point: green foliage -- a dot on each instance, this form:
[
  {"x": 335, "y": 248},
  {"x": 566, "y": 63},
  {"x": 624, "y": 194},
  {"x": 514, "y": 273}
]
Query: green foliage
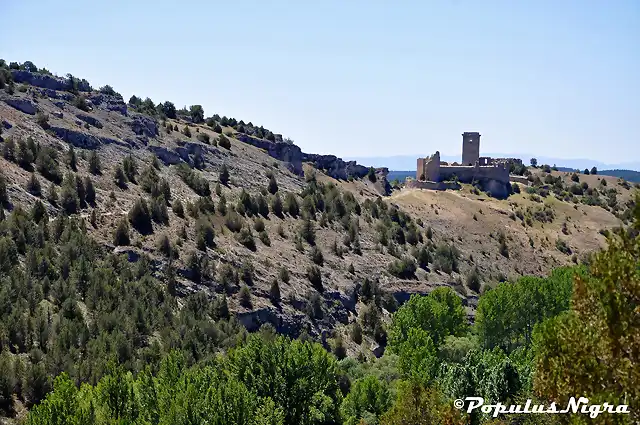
[
  {"x": 315, "y": 277},
  {"x": 439, "y": 314},
  {"x": 245, "y": 296},
  {"x": 446, "y": 258},
  {"x": 197, "y": 114},
  {"x": 371, "y": 175},
  {"x": 205, "y": 234},
  {"x": 130, "y": 168},
  {"x": 473, "y": 280},
  {"x": 140, "y": 217},
  {"x": 224, "y": 175},
  {"x": 274, "y": 292},
  {"x": 194, "y": 180},
  {"x": 418, "y": 405},
  {"x": 94, "y": 163},
  {"x": 119, "y": 177},
  {"x": 403, "y": 269},
  {"x": 47, "y": 164},
  {"x": 316, "y": 256},
  {"x": 224, "y": 142},
  {"x": 69, "y": 200},
  {"x": 245, "y": 237},
  {"x": 4, "y": 195},
  {"x": 272, "y": 187},
  {"x": 276, "y": 205},
  {"x": 121, "y": 235},
  {"x": 368, "y": 397},
  {"x": 307, "y": 232},
  {"x": 291, "y": 205},
  {"x": 507, "y": 314},
  {"x": 593, "y": 348}
]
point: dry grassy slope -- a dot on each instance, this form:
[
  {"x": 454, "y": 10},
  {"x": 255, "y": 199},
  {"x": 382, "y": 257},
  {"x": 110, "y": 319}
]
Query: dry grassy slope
[{"x": 449, "y": 214}]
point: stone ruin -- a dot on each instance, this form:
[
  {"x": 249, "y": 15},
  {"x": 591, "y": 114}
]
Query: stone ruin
[{"x": 492, "y": 174}]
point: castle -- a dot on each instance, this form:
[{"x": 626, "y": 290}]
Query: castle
[{"x": 491, "y": 173}]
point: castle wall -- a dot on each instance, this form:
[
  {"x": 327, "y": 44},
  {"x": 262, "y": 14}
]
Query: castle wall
[
  {"x": 420, "y": 174},
  {"x": 428, "y": 168},
  {"x": 468, "y": 174}
]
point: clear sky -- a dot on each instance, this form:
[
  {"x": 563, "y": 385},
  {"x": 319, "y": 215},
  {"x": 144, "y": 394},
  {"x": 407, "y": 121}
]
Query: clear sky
[{"x": 364, "y": 78}]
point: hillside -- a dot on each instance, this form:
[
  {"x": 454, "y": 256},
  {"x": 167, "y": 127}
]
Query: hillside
[
  {"x": 126, "y": 226},
  {"x": 101, "y": 123}
]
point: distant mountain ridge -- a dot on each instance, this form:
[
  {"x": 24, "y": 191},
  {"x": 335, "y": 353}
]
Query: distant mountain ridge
[
  {"x": 408, "y": 162},
  {"x": 628, "y": 175}
]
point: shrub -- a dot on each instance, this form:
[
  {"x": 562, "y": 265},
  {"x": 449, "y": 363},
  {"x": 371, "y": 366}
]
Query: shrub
[
  {"x": 80, "y": 102},
  {"x": 316, "y": 256},
  {"x": 140, "y": 217},
  {"x": 47, "y": 165},
  {"x": 42, "y": 120},
  {"x": 245, "y": 237},
  {"x": 563, "y": 247},
  {"x": 233, "y": 221},
  {"x": 224, "y": 175},
  {"x": 4, "y": 196},
  {"x": 504, "y": 249},
  {"x": 473, "y": 280},
  {"x": 404, "y": 268},
  {"x": 274, "y": 292},
  {"x": 186, "y": 131},
  {"x": 276, "y": 205},
  {"x": 203, "y": 137},
  {"x": 52, "y": 194},
  {"x": 307, "y": 232},
  {"x": 121, "y": 235},
  {"x": 272, "y": 187},
  {"x": 283, "y": 274},
  {"x": 258, "y": 225},
  {"x": 264, "y": 238},
  {"x": 356, "y": 333},
  {"x": 94, "y": 163},
  {"x": 119, "y": 178},
  {"x": 291, "y": 205},
  {"x": 178, "y": 208},
  {"x": 224, "y": 142},
  {"x": 245, "y": 297},
  {"x": 315, "y": 277},
  {"x": 247, "y": 272},
  {"x": 158, "y": 209},
  {"x": 446, "y": 258},
  {"x": 90, "y": 191},
  {"x": 192, "y": 179},
  {"x": 164, "y": 245},
  {"x": 130, "y": 168},
  {"x": 371, "y": 175},
  {"x": 69, "y": 200},
  {"x": 33, "y": 186},
  {"x": 423, "y": 257}
]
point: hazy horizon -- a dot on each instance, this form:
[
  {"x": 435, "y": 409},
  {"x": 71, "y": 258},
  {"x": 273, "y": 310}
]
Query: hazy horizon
[{"x": 364, "y": 78}]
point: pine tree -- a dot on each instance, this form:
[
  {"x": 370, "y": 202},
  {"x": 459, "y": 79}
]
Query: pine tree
[
  {"x": 71, "y": 159},
  {"x": 273, "y": 185},
  {"x": 94, "y": 163},
  {"x": 224, "y": 175},
  {"x": 52, "y": 194},
  {"x": 274, "y": 292}
]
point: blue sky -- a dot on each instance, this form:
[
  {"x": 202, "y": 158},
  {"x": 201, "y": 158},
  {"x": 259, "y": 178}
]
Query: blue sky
[{"x": 364, "y": 78}]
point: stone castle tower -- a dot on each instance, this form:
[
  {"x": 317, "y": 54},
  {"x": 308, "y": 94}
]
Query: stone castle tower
[{"x": 470, "y": 147}]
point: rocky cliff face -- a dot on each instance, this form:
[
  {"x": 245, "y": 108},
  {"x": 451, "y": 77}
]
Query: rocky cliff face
[
  {"x": 46, "y": 81},
  {"x": 292, "y": 154}
]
